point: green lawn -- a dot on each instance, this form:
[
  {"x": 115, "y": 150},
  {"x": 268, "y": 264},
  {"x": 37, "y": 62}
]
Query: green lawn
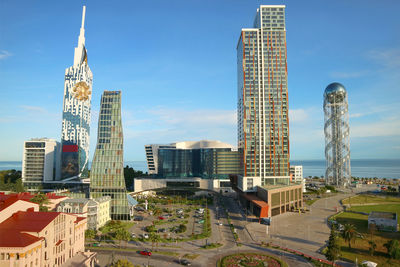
[
  {"x": 385, "y": 207},
  {"x": 360, "y": 246},
  {"x": 363, "y": 199},
  {"x": 360, "y": 221}
]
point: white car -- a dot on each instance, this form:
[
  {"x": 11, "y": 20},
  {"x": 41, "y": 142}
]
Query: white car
[
  {"x": 146, "y": 236},
  {"x": 133, "y": 235},
  {"x": 220, "y": 223}
]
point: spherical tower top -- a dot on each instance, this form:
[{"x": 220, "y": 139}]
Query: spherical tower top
[{"x": 335, "y": 93}]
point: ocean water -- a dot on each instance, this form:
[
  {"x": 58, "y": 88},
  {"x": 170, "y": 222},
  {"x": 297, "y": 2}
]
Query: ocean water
[{"x": 380, "y": 168}]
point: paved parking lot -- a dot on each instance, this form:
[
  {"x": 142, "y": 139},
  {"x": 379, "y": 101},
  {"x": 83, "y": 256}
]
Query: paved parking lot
[{"x": 170, "y": 221}]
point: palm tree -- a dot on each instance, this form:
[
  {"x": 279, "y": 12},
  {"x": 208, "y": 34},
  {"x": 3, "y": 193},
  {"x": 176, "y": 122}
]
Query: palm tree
[
  {"x": 154, "y": 238},
  {"x": 393, "y": 248},
  {"x": 372, "y": 247},
  {"x": 349, "y": 233},
  {"x": 122, "y": 234}
]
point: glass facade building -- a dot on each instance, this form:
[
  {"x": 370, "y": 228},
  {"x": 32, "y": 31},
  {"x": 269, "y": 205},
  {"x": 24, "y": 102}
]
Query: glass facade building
[
  {"x": 206, "y": 163},
  {"x": 107, "y": 173},
  {"x": 263, "y": 119},
  {"x": 76, "y": 113}
]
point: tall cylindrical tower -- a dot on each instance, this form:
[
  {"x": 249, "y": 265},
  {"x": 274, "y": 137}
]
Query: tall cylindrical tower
[{"x": 337, "y": 141}]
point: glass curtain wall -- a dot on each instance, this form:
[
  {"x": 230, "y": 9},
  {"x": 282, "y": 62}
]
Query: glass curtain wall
[{"x": 107, "y": 173}]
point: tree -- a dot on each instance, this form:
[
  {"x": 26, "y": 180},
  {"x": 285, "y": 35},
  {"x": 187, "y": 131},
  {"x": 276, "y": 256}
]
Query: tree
[
  {"x": 349, "y": 233},
  {"x": 42, "y": 200},
  {"x": 154, "y": 238},
  {"x": 130, "y": 174},
  {"x": 122, "y": 263},
  {"x": 372, "y": 247},
  {"x": 393, "y": 248},
  {"x": 333, "y": 248},
  {"x": 19, "y": 186},
  {"x": 90, "y": 233},
  {"x": 122, "y": 234}
]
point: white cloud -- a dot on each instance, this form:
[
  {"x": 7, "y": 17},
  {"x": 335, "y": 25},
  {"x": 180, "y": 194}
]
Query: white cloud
[
  {"x": 389, "y": 58},
  {"x": 347, "y": 74},
  {"x": 33, "y": 109},
  {"x": 298, "y": 115},
  {"x": 195, "y": 117},
  {"x": 4, "y": 54},
  {"x": 357, "y": 115},
  {"x": 384, "y": 127},
  {"x": 164, "y": 125}
]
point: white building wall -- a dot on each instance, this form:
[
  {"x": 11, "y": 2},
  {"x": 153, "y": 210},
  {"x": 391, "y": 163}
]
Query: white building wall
[{"x": 49, "y": 154}]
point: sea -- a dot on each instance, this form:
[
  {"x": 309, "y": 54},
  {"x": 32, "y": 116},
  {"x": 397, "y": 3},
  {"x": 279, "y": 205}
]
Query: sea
[{"x": 380, "y": 168}]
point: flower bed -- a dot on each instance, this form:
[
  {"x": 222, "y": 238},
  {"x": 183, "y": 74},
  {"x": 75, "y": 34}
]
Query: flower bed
[{"x": 251, "y": 259}]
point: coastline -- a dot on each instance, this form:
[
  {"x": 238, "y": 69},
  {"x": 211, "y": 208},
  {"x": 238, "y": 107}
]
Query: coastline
[{"x": 369, "y": 168}]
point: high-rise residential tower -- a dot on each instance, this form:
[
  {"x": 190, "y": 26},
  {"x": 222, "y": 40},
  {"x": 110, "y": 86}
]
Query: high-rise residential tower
[
  {"x": 337, "y": 136},
  {"x": 107, "y": 172},
  {"x": 76, "y": 113},
  {"x": 263, "y": 120}
]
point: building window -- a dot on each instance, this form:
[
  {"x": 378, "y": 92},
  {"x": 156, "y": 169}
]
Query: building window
[{"x": 249, "y": 183}]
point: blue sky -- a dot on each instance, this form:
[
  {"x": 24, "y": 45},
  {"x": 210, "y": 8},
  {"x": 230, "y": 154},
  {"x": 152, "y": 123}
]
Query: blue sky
[{"x": 175, "y": 62}]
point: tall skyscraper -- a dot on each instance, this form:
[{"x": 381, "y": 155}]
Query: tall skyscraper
[
  {"x": 76, "y": 112},
  {"x": 263, "y": 119},
  {"x": 107, "y": 172},
  {"x": 337, "y": 136}
]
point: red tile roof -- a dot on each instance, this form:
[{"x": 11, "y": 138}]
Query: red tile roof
[
  {"x": 29, "y": 221},
  {"x": 27, "y": 196},
  {"x": 78, "y": 219},
  {"x": 8, "y": 202},
  {"x": 13, "y": 238}
]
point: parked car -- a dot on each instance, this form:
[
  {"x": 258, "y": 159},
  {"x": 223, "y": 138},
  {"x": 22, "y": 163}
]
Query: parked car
[
  {"x": 145, "y": 252},
  {"x": 161, "y": 218},
  {"x": 133, "y": 235},
  {"x": 201, "y": 221},
  {"x": 96, "y": 245},
  {"x": 162, "y": 230},
  {"x": 184, "y": 262},
  {"x": 138, "y": 218},
  {"x": 220, "y": 223},
  {"x": 146, "y": 236}
]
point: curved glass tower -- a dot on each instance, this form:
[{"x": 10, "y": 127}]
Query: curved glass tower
[
  {"x": 76, "y": 113},
  {"x": 107, "y": 172},
  {"x": 337, "y": 141}
]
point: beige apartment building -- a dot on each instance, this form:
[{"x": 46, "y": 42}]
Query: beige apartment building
[
  {"x": 31, "y": 238},
  {"x": 97, "y": 211}
]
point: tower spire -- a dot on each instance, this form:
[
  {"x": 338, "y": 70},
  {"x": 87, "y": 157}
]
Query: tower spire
[
  {"x": 83, "y": 17},
  {"x": 80, "y": 49}
]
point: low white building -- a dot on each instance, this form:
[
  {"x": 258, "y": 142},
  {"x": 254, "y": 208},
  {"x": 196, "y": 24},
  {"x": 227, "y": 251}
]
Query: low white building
[
  {"x": 218, "y": 185},
  {"x": 40, "y": 162},
  {"x": 383, "y": 221},
  {"x": 296, "y": 172}
]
